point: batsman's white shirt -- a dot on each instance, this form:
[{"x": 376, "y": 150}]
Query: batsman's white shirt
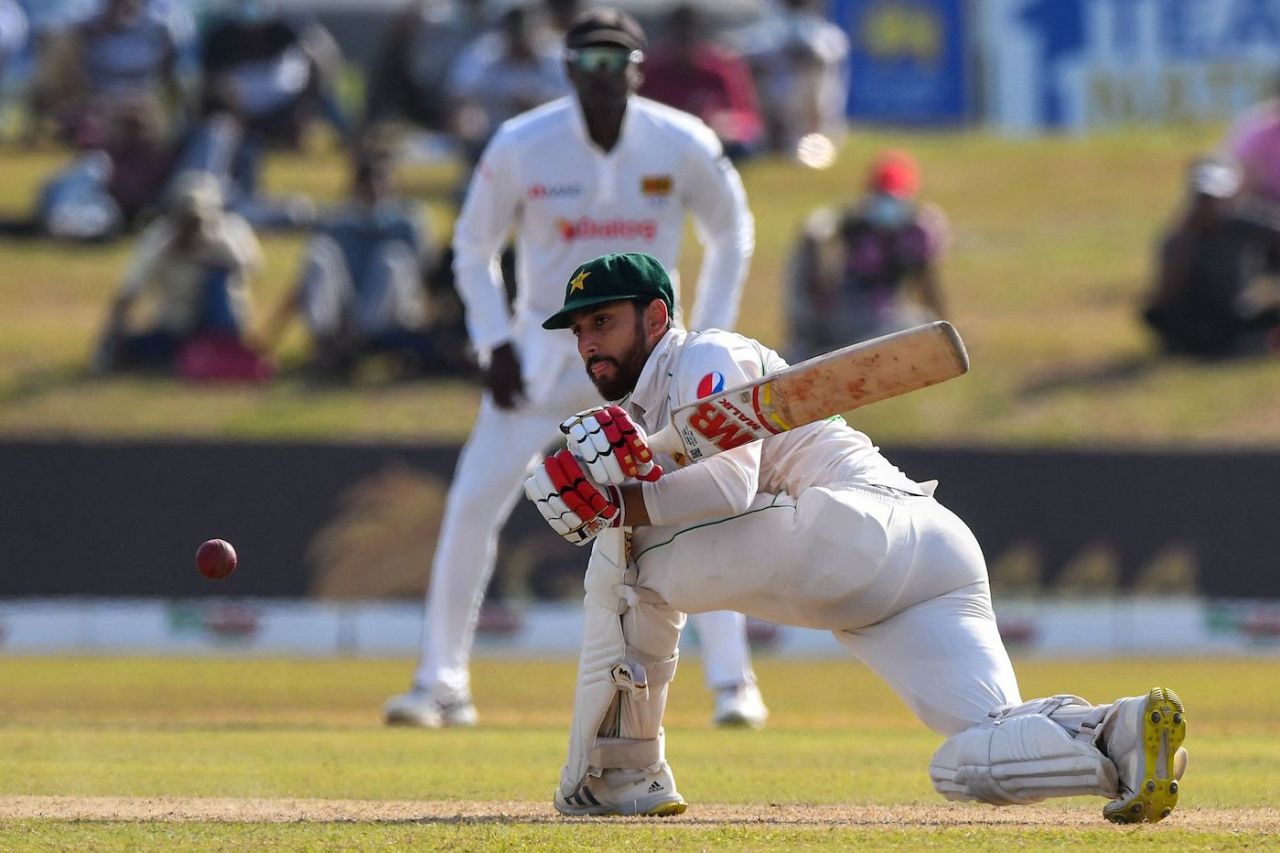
[
  {"x": 814, "y": 527},
  {"x": 570, "y": 202}
]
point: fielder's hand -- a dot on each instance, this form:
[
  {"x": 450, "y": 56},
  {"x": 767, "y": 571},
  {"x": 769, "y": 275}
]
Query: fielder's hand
[
  {"x": 610, "y": 446},
  {"x": 503, "y": 377},
  {"x": 576, "y": 507}
]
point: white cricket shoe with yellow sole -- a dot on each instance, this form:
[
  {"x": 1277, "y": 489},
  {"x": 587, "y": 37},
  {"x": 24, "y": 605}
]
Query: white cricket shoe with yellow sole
[
  {"x": 1144, "y": 740},
  {"x": 625, "y": 792}
]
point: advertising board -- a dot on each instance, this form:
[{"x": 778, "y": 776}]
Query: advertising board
[{"x": 1079, "y": 65}]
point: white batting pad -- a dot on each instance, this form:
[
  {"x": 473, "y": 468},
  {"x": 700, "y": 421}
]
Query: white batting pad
[
  {"x": 603, "y": 646},
  {"x": 1018, "y": 760},
  {"x": 628, "y": 659}
]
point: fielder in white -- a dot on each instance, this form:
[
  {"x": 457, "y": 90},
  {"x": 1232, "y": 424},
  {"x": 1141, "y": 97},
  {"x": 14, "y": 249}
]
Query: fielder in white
[
  {"x": 601, "y": 170},
  {"x": 811, "y": 527}
]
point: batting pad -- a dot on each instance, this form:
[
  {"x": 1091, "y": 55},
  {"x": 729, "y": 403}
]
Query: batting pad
[
  {"x": 628, "y": 658},
  {"x": 1018, "y": 760},
  {"x": 603, "y": 646},
  {"x": 633, "y": 739}
]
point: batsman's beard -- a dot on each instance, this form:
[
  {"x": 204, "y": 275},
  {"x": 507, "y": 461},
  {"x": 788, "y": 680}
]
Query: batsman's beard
[{"x": 626, "y": 370}]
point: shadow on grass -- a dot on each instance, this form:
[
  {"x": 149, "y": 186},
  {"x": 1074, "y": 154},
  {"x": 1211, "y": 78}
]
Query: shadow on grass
[
  {"x": 1126, "y": 369},
  {"x": 1107, "y": 374},
  {"x": 34, "y": 384}
]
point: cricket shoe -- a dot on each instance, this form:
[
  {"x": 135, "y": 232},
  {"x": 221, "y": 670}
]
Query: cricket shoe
[
  {"x": 1144, "y": 739},
  {"x": 625, "y": 792},
  {"x": 740, "y": 706},
  {"x": 420, "y": 707}
]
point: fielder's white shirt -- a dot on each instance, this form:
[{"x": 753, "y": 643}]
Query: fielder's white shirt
[
  {"x": 685, "y": 367},
  {"x": 569, "y": 202}
]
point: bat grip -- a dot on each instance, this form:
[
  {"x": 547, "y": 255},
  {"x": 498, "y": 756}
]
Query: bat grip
[{"x": 665, "y": 440}]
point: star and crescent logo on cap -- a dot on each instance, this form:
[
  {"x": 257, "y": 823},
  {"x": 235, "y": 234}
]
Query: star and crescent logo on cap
[{"x": 579, "y": 281}]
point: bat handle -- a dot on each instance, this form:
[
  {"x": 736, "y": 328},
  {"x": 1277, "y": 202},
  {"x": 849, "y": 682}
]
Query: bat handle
[{"x": 665, "y": 440}]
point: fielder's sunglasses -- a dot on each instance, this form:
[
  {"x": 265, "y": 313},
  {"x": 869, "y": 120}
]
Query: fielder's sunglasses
[{"x": 612, "y": 59}]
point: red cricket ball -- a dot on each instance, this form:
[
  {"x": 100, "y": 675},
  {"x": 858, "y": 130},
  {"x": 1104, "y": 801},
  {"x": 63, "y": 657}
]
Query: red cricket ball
[{"x": 216, "y": 559}]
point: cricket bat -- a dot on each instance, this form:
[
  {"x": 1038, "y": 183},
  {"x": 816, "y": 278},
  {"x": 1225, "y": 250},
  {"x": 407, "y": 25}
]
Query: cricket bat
[{"x": 826, "y": 385}]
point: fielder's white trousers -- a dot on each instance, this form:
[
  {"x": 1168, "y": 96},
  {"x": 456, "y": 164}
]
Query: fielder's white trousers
[
  {"x": 898, "y": 579},
  {"x": 503, "y": 447}
]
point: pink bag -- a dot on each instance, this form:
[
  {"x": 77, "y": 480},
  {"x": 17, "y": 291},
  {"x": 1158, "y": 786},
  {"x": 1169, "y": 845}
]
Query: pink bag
[{"x": 219, "y": 357}]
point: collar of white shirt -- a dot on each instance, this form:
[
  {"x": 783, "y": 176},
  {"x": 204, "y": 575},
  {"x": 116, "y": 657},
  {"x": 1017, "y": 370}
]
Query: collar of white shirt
[
  {"x": 651, "y": 388},
  {"x": 578, "y": 122}
]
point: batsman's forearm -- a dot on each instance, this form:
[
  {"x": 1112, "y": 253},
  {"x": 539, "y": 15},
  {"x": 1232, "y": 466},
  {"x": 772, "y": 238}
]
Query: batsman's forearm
[
  {"x": 719, "y": 487},
  {"x": 635, "y": 513}
]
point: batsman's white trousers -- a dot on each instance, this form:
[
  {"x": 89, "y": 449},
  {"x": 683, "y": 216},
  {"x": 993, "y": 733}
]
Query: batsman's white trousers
[
  {"x": 502, "y": 449},
  {"x": 898, "y": 578}
]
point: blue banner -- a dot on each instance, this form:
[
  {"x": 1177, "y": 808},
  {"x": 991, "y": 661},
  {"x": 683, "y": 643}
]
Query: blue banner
[
  {"x": 1087, "y": 64},
  {"x": 907, "y": 60}
]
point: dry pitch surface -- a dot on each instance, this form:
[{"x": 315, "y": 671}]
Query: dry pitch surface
[{"x": 215, "y": 809}]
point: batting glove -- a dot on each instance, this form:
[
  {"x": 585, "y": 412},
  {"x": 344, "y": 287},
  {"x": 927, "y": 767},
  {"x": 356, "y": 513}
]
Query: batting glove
[
  {"x": 573, "y": 504},
  {"x": 610, "y": 445}
]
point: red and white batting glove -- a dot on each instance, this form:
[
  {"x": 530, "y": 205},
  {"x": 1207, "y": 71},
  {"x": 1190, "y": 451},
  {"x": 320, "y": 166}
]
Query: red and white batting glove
[
  {"x": 573, "y": 504},
  {"x": 610, "y": 445}
]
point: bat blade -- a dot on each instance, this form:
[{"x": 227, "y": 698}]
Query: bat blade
[{"x": 839, "y": 381}]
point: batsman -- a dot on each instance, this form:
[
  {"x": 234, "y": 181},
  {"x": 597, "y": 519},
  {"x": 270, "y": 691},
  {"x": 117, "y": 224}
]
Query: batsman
[{"x": 812, "y": 527}]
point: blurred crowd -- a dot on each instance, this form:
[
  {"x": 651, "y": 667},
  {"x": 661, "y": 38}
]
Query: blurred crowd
[{"x": 169, "y": 108}]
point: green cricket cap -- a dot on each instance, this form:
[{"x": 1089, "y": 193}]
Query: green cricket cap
[{"x": 609, "y": 278}]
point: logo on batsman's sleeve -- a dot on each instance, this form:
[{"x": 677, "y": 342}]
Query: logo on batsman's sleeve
[{"x": 712, "y": 383}]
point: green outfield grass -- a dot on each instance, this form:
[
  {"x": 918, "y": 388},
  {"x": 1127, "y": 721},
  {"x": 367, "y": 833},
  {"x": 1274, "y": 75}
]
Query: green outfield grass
[
  {"x": 1051, "y": 253},
  {"x": 241, "y": 754}
]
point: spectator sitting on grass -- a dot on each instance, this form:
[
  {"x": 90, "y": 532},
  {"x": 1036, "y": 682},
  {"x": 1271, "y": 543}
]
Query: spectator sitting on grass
[
  {"x": 868, "y": 270},
  {"x": 75, "y": 202},
  {"x": 120, "y": 172},
  {"x": 195, "y": 262},
  {"x": 116, "y": 178},
  {"x": 1210, "y": 298},
  {"x": 126, "y": 54},
  {"x": 361, "y": 288}
]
